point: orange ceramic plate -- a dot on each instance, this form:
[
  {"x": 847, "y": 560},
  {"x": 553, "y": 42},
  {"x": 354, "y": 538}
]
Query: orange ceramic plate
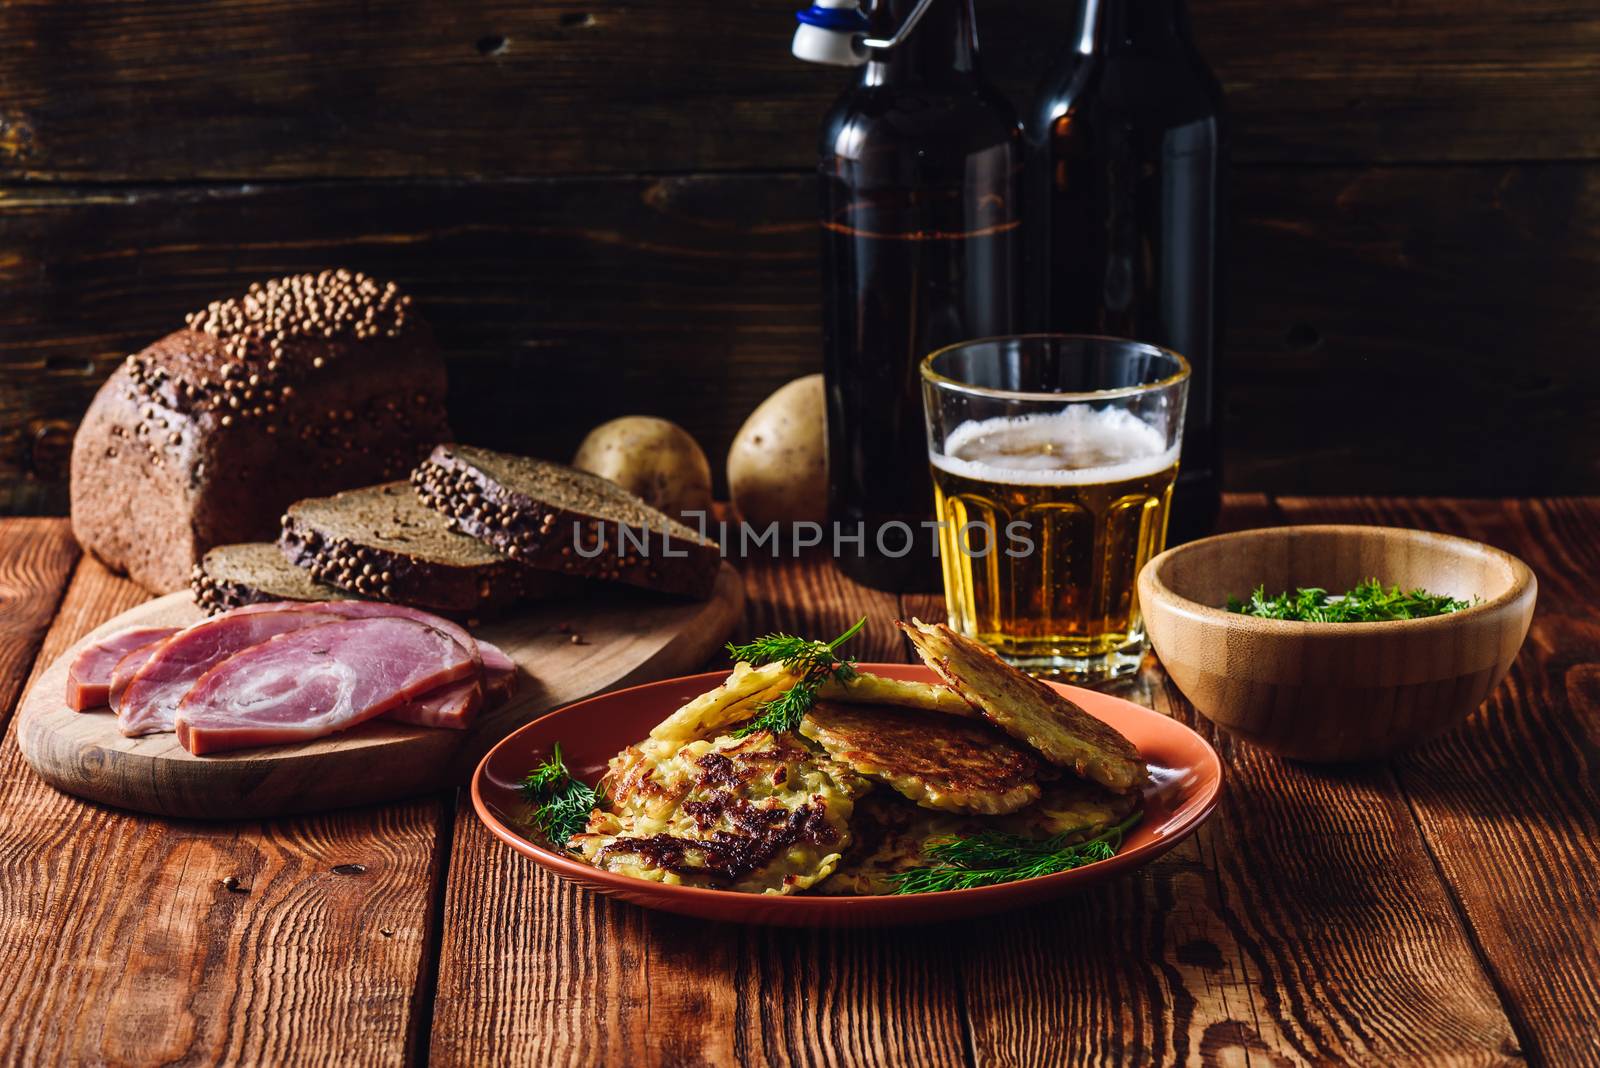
[{"x": 1186, "y": 780}]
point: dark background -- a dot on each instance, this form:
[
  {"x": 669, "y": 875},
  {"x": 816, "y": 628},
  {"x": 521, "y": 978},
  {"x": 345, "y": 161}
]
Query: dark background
[{"x": 607, "y": 208}]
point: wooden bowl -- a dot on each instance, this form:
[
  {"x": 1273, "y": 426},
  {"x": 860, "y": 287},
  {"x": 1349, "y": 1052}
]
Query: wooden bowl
[{"x": 1335, "y": 691}]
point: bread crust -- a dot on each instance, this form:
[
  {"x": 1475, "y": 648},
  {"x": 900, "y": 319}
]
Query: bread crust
[
  {"x": 374, "y": 566},
  {"x": 232, "y": 576},
  {"x": 199, "y": 441},
  {"x": 543, "y": 536}
]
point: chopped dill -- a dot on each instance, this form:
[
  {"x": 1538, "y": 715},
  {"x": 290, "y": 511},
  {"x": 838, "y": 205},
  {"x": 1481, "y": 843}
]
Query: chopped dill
[
  {"x": 993, "y": 857},
  {"x": 562, "y": 804},
  {"x": 815, "y": 662},
  {"x": 1368, "y": 602}
]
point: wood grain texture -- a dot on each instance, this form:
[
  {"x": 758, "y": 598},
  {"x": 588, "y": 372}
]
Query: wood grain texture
[
  {"x": 557, "y": 305},
  {"x": 36, "y": 560},
  {"x": 623, "y": 637},
  {"x": 536, "y": 971},
  {"x": 1241, "y": 945},
  {"x": 1357, "y": 290},
  {"x": 246, "y": 89},
  {"x": 561, "y": 304},
  {"x": 1510, "y": 802},
  {"x": 1306, "y": 924},
  {"x": 123, "y": 943},
  {"x": 1331, "y": 693},
  {"x": 1303, "y": 925}
]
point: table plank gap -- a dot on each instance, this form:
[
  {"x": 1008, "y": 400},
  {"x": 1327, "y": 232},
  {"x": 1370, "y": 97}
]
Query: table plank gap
[
  {"x": 420, "y": 1035},
  {"x": 37, "y": 559},
  {"x": 534, "y": 969},
  {"x": 1303, "y": 924},
  {"x": 1442, "y": 909},
  {"x": 1509, "y": 803},
  {"x": 887, "y": 996},
  {"x": 931, "y": 607},
  {"x": 1527, "y": 1036},
  {"x": 126, "y": 945}
]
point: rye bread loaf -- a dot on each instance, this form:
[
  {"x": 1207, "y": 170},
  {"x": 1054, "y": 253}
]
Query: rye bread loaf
[
  {"x": 252, "y": 572},
  {"x": 300, "y": 387},
  {"x": 384, "y": 543},
  {"x": 548, "y": 517}
]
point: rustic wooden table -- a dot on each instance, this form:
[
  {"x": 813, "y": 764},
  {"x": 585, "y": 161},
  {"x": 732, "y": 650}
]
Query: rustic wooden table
[{"x": 1438, "y": 909}]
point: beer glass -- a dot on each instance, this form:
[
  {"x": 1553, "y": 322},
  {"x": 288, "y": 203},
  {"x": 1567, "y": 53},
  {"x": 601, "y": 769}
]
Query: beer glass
[{"x": 1053, "y": 460}]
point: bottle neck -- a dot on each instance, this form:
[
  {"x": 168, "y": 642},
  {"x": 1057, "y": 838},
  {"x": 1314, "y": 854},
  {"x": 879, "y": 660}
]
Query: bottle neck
[
  {"x": 942, "y": 45},
  {"x": 1112, "y": 25}
]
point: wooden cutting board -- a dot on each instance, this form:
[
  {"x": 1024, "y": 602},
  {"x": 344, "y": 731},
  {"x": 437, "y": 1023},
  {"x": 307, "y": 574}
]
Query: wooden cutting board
[{"x": 625, "y": 638}]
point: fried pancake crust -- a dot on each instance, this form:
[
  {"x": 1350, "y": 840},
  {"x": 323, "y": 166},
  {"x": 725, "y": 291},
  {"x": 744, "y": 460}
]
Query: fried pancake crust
[
  {"x": 715, "y": 710},
  {"x": 935, "y": 760},
  {"x": 1027, "y": 709},
  {"x": 1070, "y": 807},
  {"x": 868, "y": 689},
  {"x": 891, "y": 834},
  {"x": 759, "y": 814}
]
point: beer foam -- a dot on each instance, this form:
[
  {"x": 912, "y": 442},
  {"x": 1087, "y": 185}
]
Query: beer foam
[{"x": 1076, "y": 446}]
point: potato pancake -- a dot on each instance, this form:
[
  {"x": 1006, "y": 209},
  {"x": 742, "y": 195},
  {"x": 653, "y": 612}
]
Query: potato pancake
[
  {"x": 1026, "y": 708},
  {"x": 758, "y": 814},
  {"x": 891, "y": 834},
  {"x": 937, "y": 761},
  {"x": 1071, "y": 807},
  {"x": 868, "y": 689},
  {"x": 714, "y": 711}
]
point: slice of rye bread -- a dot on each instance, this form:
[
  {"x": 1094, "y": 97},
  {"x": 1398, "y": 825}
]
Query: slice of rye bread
[
  {"x": 251, "y": 572},
  {"x": 554, "y": 518},
  {"x": 384, "y": 543}
]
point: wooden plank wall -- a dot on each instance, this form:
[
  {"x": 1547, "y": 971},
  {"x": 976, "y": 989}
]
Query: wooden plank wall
[{"x": 606, "y": 208}]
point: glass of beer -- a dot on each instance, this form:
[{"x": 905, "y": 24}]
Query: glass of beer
[{"x": 1053, "y": 462}]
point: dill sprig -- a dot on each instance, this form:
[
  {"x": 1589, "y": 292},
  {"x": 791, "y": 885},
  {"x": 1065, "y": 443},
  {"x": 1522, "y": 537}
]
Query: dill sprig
[
  {"x": 994, "y": 857},
  {"x": 1368, "y": 602},
  {"x": 562, "y": 804},
  {"x": 815, "y": 662}
]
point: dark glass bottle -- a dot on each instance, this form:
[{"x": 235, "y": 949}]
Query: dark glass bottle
[
  {"x": 1128, "y": 153},
  {"x": 921, "y": 173}
]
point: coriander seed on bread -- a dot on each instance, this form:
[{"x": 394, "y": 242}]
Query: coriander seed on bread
[
  {"x": 384, "y": 543},
  {"x": 253, "y": 572},
  {"x": 298, "y": 387},
  {"x": 555, "y": 519}
]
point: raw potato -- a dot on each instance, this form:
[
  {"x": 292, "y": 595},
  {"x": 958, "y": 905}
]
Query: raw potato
[
  {"x": 778, "y": 465},
  {"x": 653, "y": 458}
]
